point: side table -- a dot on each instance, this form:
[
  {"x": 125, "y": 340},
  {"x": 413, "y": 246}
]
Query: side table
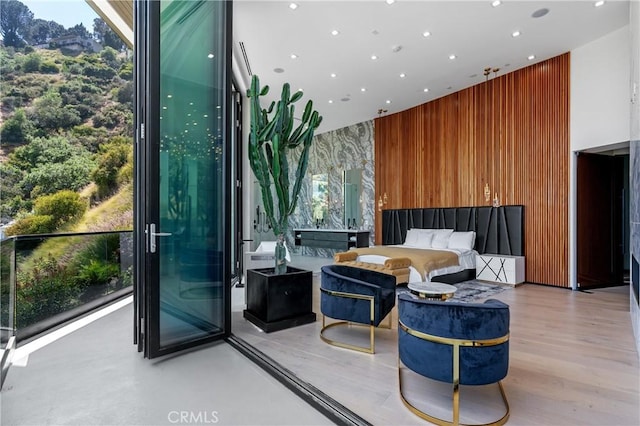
[
  {"x": 434, "y": 291},
  {"x": 500, "y": 268}
]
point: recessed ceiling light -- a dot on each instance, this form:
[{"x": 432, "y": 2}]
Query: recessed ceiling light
[
  {"x": 426, "y": 34},
  {"x": 496, "y": 3},
  {"x": 402, "y": 75},
  {"x": 169, "y": 96},
  {"x": 294, "y": 56},
  {"x": 333, "y": 75},
  {"x": 388, "y": 101},
  {"x": 515, "y": 34},
  {"x": 210, "y": 56},
  {"x": 598, "y": 3},
  {"x": 390, "y": 1},
  {"x": 330, "y": 101},
  {"x": 278, "y": 70},
  {"x": 293, "y": 6},
  {"x": 452, "y": 57},
  {"x": 531, "y": 57},
  {"x": 364, "y": 89},
  {"x": 335, "y": 32},
  {"x": 374, "y": 57},
  {"x": 425, "y": 90}
]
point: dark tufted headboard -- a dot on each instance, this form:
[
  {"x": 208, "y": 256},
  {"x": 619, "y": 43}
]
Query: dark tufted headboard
[{"x": 499, "y": 230}]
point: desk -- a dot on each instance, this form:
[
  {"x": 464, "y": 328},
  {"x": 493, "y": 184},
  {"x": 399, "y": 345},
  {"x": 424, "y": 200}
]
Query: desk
[
  {"x": 435, "y": 291},
  {"x": 339, "y": 239}
]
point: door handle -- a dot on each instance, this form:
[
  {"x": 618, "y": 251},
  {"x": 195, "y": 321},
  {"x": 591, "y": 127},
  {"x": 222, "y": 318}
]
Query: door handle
[{"x": 152, "y": 237}]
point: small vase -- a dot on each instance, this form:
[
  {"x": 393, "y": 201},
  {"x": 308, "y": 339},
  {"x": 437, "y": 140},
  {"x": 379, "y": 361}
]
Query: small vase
[{"x": 281, "y": 259}]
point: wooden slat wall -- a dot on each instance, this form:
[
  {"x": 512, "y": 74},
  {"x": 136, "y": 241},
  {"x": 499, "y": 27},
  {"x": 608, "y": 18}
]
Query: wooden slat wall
[{"x": 511, "y": 132}]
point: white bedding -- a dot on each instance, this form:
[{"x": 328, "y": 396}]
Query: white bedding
[{"x": 466, "y": 260}]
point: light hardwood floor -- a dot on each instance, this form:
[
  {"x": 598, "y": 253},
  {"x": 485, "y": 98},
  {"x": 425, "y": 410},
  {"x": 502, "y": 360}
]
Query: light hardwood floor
[{"x": 573, "y": 361}]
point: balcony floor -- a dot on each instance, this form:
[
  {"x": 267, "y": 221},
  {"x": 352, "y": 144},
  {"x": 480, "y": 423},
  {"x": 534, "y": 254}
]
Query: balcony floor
[{"x": 94, "y": 376}]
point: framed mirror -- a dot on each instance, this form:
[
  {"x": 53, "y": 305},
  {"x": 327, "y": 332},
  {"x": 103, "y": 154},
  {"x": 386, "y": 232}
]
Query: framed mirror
[
  {"x": 319, "y": 198},
  {"x": 352, "y": 194}
]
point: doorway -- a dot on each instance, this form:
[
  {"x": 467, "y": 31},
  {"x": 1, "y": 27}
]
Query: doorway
[{"x": 602, "y": 219}]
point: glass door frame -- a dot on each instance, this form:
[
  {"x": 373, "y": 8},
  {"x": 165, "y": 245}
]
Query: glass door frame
[{"x": 146, "y": 195}]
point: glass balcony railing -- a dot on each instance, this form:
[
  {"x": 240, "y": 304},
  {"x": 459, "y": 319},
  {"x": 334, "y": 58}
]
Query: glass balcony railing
[{"x": 48, "y": 279}]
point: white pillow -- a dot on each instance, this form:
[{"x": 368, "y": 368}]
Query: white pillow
[
  {"x": 462, "y": 240},
  {"x": 412, "y": 238},
  {"x": 441, "y": 238},
  {"x": 425, "y": 238}
]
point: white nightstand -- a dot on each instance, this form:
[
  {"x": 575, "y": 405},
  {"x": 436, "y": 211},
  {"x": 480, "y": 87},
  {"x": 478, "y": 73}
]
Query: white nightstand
[{"x": 500, "y": 268}]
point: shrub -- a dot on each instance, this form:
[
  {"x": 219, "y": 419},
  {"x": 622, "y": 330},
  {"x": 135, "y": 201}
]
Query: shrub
[
  {"x": 16, "y": 129},
  {"x": 126, "y": 71},
  {"x": 89, "y": 137},
  {"x": 63, "y": 206},
  {"x": 99, "y": 71},
  {"x": 48, "y": 289},
  {"x": 48, "y": 113},
  {"x": 125, "y": 94},
  {"x": 32, "y": 224},
  {"x": 112, "y": 157},
  {"x": 48, "y": 178},
  {"x": 49, "y": 68},
  {"x": 40, "y": 151},
  {"x": 11, "y": 102},
  {"x": 112, "y": 116},
  {"x": 32, "y": 62}
]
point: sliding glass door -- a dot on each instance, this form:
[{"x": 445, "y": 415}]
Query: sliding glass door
[{"x": 183, "y": 167}]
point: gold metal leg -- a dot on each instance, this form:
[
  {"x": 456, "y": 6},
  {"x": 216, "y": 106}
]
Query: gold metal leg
[
  {"x": 371, "y": 348},
  {"x": 456, "y": 405}
]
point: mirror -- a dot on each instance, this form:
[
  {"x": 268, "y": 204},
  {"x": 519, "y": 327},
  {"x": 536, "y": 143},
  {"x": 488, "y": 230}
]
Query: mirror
[
  {"x": 352, "y": 192},
  {"x": 320, "y": 198}
]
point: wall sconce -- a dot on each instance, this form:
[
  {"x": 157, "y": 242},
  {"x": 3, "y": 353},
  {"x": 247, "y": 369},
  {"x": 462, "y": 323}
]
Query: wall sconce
[
  {"x": 384, "y": 198},
  {"x": 380, "y": 204},
  {"x": 496, "y": 200},
  {"x": 487, "y": 192}
]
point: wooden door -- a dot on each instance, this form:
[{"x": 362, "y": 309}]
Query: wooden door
[{"x": 599, "y": 220}]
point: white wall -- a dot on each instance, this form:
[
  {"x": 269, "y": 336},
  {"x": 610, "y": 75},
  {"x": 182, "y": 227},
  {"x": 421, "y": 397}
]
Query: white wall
[{"x": 600, "y": 109}]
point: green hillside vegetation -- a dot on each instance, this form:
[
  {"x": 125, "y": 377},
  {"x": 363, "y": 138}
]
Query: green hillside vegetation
[
  {"x": 66, "y": 165},
  {"x": 67, "y": 122}
]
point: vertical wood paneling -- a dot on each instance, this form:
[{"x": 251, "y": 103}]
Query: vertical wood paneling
[{"x": 511, "y": 132}]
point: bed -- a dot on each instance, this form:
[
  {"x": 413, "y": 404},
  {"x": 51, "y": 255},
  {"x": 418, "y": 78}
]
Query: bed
[{"x": 440, "y": 244}]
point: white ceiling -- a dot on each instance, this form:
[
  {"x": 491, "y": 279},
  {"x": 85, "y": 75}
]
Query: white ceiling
[{"x": 477, "y": 33}]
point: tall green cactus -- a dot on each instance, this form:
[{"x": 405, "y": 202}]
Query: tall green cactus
[{"x": 270, "y": 135}]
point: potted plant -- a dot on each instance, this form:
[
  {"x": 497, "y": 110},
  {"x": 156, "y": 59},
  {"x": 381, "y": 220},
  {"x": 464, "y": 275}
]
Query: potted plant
[
  {"x": 280, "y": 297},
  {"x": 271, "y": 135}
]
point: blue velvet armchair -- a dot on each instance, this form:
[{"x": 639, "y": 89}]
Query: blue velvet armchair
[
  {"x": 355, "y": 296},
  {"x": 454, "y": 342}
]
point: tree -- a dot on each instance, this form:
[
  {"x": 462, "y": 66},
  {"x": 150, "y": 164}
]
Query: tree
[
  {"x": 106, "y": 36},
  {"x": 79, "y": 30},
  {"x": 48, "y": 178},
  {"x": 39, "y": 33},
  {"x": 63, "y": 206},
  {"x": 16, "y": 129},
  {"x": 42, "y": 31},
  {"x": 49, "y": 114},
  {"x": 112, "y": 157},
  {"x": 15, "y": 22}
]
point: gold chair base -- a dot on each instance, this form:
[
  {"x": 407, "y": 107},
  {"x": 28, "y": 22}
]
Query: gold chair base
[
  {"x": 369, "y": 350},
  {"x": 456, "y": 413}
]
